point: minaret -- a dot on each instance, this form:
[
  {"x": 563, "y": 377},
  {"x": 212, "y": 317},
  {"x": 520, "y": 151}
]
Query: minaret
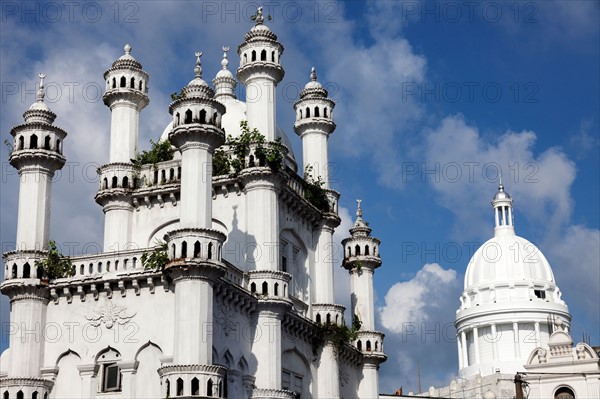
[
  {"x": 224, "y": 82},
  {"x": 361, "y": 259},
  {"x": 509, "y": 301},
  {"x": 37, "y": 155},
  {"x": 314, "y": 124},
  {"x": 260, "y": 71},
  {"x": 195, "y": 248},
  {"x": 126, "y": 95}
]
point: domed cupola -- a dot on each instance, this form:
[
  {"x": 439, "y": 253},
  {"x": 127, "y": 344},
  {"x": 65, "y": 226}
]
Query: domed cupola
[
  {"x": 126, "y": 79},
  {"x": 224, "y": 82},
  {"x": 196, "y": 107},
  {"x": 509, "y": 300}
]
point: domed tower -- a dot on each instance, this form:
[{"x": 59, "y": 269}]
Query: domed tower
[
  {"x": 361, "y": 258},
  {"x": 224, "y": 82},
  {"x": 195, "y": 248},
  {"x": 37, "y": 155},
  {"x": 314, "y": 124},
  {"x": 126, "y": 95},
  {"x": 510, "y": 300},
  {"x": 260, "y": 71}
]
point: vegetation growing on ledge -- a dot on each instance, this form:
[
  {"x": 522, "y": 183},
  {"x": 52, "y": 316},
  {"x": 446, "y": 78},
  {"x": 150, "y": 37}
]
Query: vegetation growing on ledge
[
  {"x": 156, "y": 259},
  {"x": 266, "y": 153},
  {"x": 159, "y": 152},
  {"x": 337, "y": 335},
  {"x": 314, "y": 191},
  {"x": 55, "y": 265},
  {"x": 177, "y": 96}
]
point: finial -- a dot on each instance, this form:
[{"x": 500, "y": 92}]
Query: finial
[
  {"x": 500, "y": 186},
  {"x": 127, "y": 49},
  {"x": 313, "y": 75},
  {"x": 198, "y": 68},
  {"x": 41, "y": 94},
  {"x": 259, "y": 16},
  {"x": 358, "y": 209},
  {"x": 224, "y": 61}
]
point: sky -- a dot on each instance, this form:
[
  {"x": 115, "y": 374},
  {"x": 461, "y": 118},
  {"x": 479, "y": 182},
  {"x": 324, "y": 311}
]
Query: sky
[{"x": 433, "y": 101}]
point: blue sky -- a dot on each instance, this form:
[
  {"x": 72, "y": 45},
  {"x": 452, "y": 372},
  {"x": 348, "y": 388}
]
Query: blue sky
[{"x": 432, "y": 100}]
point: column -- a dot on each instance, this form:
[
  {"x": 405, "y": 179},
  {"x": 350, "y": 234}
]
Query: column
[
  {"x": 494, "y": 342},
  {"x": 516, "y": 340},
  {"x": 476, "y": 344},
  {"x": 128, "y": 371},
  {"x": 463, "y": 338},
  {"x": 88, "y": 374}
]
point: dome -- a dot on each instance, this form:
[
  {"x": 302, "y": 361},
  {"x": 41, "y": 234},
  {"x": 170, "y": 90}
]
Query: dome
[
  {"x": 501, "y": 194},
  {"x": 507, "y": 258}
]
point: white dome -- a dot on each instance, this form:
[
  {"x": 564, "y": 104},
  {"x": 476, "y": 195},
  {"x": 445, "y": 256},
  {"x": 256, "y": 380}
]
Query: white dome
[{"x": 510, "y": 258}]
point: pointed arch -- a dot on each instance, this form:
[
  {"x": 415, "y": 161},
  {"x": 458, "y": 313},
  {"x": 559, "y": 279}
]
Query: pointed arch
[
  {"x": 203, "y": 116},
  {"x": 188, "y": 116},
  {"x": 21, "y": 143},
  {"x": 242, "y": 365},
  {"x": 317, "y": 112},
  {"x": 227, "y": 359},
  {"x": 132, "y": 83},
  {"x": 263, "y": 55},
  {"x": 253, "y": 58},
  {"x": 197, "y": 249},
  {"x": 64, "y": 354},
  {"x": 33, "y": 141},
  {"x": 146, "y": 345},
  {"x": 26, "y": 270},
  {"x": 47, "y": 143},
  {"x": 123, "y": 81},
  {"x": 195, "y": 387}
]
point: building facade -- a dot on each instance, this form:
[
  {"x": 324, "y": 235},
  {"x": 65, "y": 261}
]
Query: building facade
[{"x": 238, "y": 299}]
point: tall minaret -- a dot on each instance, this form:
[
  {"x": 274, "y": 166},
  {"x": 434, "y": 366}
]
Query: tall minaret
[
  {"x": 37, "y": 155},
  {"x": 260, "y": 71},
  {"x": 361, "y": 258},
  {"x": 314, "y": 124},
  {"x": 126, "y": 95},
  {"x": 195, "y": 248}
]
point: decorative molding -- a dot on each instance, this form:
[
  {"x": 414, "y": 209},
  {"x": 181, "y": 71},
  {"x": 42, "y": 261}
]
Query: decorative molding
[{"x": 110, "y": 314}]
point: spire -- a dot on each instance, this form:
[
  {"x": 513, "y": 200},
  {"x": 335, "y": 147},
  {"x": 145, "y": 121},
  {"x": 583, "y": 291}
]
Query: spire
[
  {"x": 41, "y": 93},
  {"x": 127, "y": 49},
  {"x": 503, "y": 212},
  {"x": 198, "y": 68},
  {"x": 358, "y": 208},
  {"x": 259, "y": 19},
  {"x": 224, "y": 82},
  {"x": 313, "y": 75},
  {"x": 224, "y": 61}
]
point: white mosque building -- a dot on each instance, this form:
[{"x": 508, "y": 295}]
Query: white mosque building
[
  {"x": 238, "y": 300},
  {"x": 512, "y": 320}
]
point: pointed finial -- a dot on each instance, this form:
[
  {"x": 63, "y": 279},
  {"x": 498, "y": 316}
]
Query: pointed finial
[
  {"x": 198, "y": 68},
  {"x": 500, "y": 185},
  {"x": 358, "y": 209},
  {"x": 313, "y": 75},
  {"x": 41, "y": 94},
  {"x": 259, "y": 16},
  {"x": 224, "y": 61},
  {"x": 127, "y": 49}
]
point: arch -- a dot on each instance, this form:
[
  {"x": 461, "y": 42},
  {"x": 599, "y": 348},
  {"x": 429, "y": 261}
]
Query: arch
[
  {"x": 105, "y": 183},
  {"x": 177, "y": 118},
  {"x": 81, "y": 269},
  {"x": 114, "y": 83},
  {"x": 184, "y": 249},
  {"x": 300, "y": 113},
  {"x": 91, "y": 268},
  {"x": 197, "y": 249},
  {"x": 125, "y": 261},
  {"x": 21, "y": 143},
  {"x": 108, "y": 266},
  {"x": 272, "y": 56},
  {"x": 26, "y": 270},
  {"x": 195, "y": 387},
  {"x": 188, "y": 116},
  {"x": 173, "y": 251},
  {"x": 227, "y": 359},
  {"x": 564, "y": 392},
  {"x": 318, "y": 318},
  {"x": 263, "y": 55},
  {"x": 115, "y": 182},
  {"x": 155, "y": 177},
  {"x": 34, "y": 395},
  {"x": 210, "y": 250},
  {"x": 125, "y": 182},
  {"x": 366, "y": 250},
  {"x": 276, "y": 289},
  {"x": 171, "y": 174},
  {"x": 123, "y": 81},
  {"x": 163, "y": 176},
  {"x": 20, "y": 395},
  {"x": 5, "y": 395},
  {"x": 349, "y": 252},
  {"x": 215, "y": 118},
  {"x": 33, "y": 141},
  {"x": 325, "y": 112},
  {"x": 99, "y": 267},
  {"x": 132, "y": 82},
  {"x": 307, "y": 112},
  {"x": 359, "y": 345},
  {"x": 14, "y": 271},
  {"x": 179, "y": 389},
  {"x": 64, "y": 354},
  {"x": 141, "y": 85},
  {"x": 202, "y": 116},
  {"x": 209, "y": 387},
  {"x": 368, "y": 345},
  {"x": 106, "y": 350},
  {"x": 253, "y": 288},
  {"x": 148, "y": 358},
  {"x": 328, "y": 318},
  {"x": 179, "y": 173},
  {"x": 47, "y": 143},
  {"x": 265, "y": 288},
  {"x": 253, "y": 58},
  {"x": 168, "y": 384},
  {"x": 357, "y": 250},
  {"x": 243, "y": 365},
  {"x": 317, "y": 114},
  {"x": 116, "y": 265}
]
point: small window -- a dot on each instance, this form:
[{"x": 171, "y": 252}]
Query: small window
[
  {"x": 540, "y": 294},
  {"x": 111, "y": 380}
]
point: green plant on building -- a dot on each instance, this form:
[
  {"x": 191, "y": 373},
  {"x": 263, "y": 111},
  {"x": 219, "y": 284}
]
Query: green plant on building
[
  {"x": 338, "y": 335},
  {"x": 160, "y": 151},
  {"x": 55, "y": 265},
  {"x": 314, "y": 191},
  {"x": 156, "y": 259}
]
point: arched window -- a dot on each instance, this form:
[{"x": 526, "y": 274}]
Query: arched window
[
  {"x": 349, "y": 252},
  {"x": 316, "y": 112},
  {"x": 210, "y": 249},
  {"x": 171, "y": 174},
  {"x": 177, "y": 119},
  {"x": 272, "y": 56},
  {"x": 156, "y": 177},
  {"x": 173, "y": 254},
  {"x": 263, "y": 55},
  {"x": 20, "y": 395},
  {"x": 368, "y": 345},
  {"x": 163, "y": 176},
  {"x": 132, "y": 83},
  {"x": 91, "y": 268},
  {"x": 318, "y": 318},
  {"x": 214, "y": 119},
  {"x": 209, "y": 387},
  {"x": 47, "y": 143},
  {"x": 125, "y": 264},
  {"x": 108, "y": 266},
  {"x": 328, "y": 318},
  {"x": 105, "y": 183},
  {"x": 366, "y": 250},
  {"x": 564, "y": 393},
  {"x": 178, "y": 172},
  {"x": 188, "y": 116},
  {"x": 5, "y": 395},
  {"x": 33, "y": 141},
  {"x": 21, "y": 145},
  {"x": 179, "y": 387},
  {"x": 123, "y": 81},
  {"x": 357, "y": 250},
  {"x": 81, "y": 269},
  {"x": 125, "y": 182},
  {"x": 376, "y": 346},
  {"x": 114, "y": 85},
  {"x": 359, "y": 345},
  {"x": 168, "y": 388},
  {"x": 253, "y": 55},
  {"x": 58, "y": 147},
  {"x": 307, "y": 112},
  {"x": 276, "y": 289},
  {"x": 197, "y": 249},
  {"x": 184, "y": 249},
  {"x": 115, "y": 182},
  {"x": 99, "y": 267},
  {"x": 325, "y": 112},
  {"x": 26, "y": 270},
  {"x": 195, "y": 387},
  {"x": 116, "y": 265},
  {"x": 253, "y": 288},
  {"x": 202, "y": 116},
  {"x": 141, "y": 86},
  {"x": 265, "y": 288},
  {"x": 14, "y": 271}
]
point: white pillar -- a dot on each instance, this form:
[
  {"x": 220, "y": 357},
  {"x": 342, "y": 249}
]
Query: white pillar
[
  {"x": 460, "y": 355},
  {"x": 196, "y": 186},
  {"x": 516, "y": 340},
  {"x": 88, "y": 373},
  {"x": 324, "y": 266},
  {"x": 314, "y": 154},
  {"x": 117, "y": 225},
  {"x": 128, "y": 371},
  {"x": 463, "y": 338},
  {"x": 27, "y": 345},
  {"x": 369, "y": 385},
  {"x": 123, "y": 131},
  {"x": 267, "y": 349},
  {"x": 33, "y": 223},
  {"x": 363, "y": 298},
  {"x": 328, "y": 373},
  {"x": 476, "y": 344},
  {"x": 494, "y": 342},
  {"x": 261, "y": 105}
]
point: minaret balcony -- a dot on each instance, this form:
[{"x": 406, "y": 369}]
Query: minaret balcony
[
  {"x": 370, "y": 343},
  {"x": 260, "y": 70},
  {"x": 22, "y": 264},
  {"x": 325, "y": 313},
  {"x": 269, "y": 284},
  {"x": 26, "y": 387},
  {"x": 193, "y": 381}
]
